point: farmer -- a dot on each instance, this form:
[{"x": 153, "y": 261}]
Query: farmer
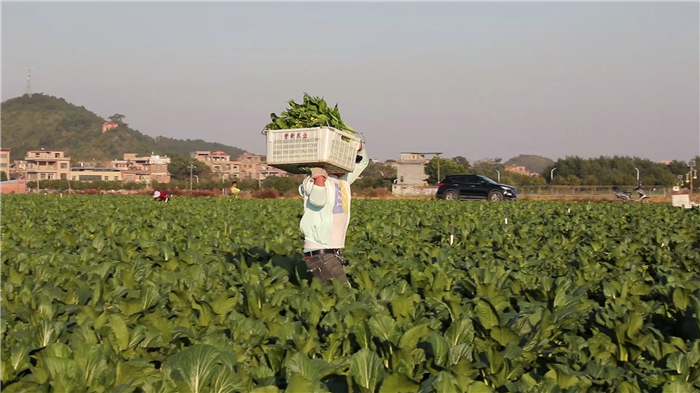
[
  {"x": 234, "y": 190},
  {"x": 160, "y": 196},
  {"x": 326, "y": 218}
]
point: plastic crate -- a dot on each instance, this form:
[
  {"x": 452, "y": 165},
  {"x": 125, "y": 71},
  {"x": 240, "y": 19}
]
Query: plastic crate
[
  {"x": 325, "y": 147},
  {"x": 682, "y": 200}
]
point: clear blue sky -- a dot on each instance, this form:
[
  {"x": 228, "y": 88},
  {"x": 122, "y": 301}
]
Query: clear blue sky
[{"x": 472, "y": 79}]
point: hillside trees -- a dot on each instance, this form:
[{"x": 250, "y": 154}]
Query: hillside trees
[{"x": 43, "y": 121}]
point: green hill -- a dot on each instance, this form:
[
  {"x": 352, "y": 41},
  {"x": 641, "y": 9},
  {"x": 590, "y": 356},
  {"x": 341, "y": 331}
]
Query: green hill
[
  {"x": 43, "y": 121},
  {"x": 532, "y": 163}
]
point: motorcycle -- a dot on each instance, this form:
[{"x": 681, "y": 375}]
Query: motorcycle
[{"x": 626, "y": 196}]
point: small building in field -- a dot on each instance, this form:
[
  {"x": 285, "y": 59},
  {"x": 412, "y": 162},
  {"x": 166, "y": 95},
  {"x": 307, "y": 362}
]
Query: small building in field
[{"x": 411, "y": 179}]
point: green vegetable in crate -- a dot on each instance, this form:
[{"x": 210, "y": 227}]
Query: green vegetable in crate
[{"x": 313, "y": 112}]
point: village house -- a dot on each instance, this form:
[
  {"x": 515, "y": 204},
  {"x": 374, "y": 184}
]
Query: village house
[
  {"x": 220, "y": 163},
  {"x": 5, "y": 161},
  {"x": 249, "y": 165},
  {"x": 143, "y": 169},
  {"x": 519, "y": 169},
  {"x": 246, "y": 166},
  {"x": 18, "y": 169},
  {"x": 108, "y": 125},
  {"x": 266, "y": 171},
  {"x": 47, "y": 165},
  {"x": 95, "y": 173}
]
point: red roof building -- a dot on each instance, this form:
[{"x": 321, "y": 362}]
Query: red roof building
[{"x": 108, "y": 125}]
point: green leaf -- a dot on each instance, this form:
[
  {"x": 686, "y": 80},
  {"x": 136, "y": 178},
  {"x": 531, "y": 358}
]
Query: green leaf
[
  {"x": 205, "y": 313},
  {"x": 21, "y": 387},
  {"x": 266, "y": 389},
  {"x": 121, "y": 332},
  {"x": 227, "y": 381},
  {"x": 193, "y": 368},
  {"x": 92, "y": 360},
  {"x": 486, "y": 313},
  {"x": 460, "y": 332},
  {"x": 679, "y": 362},
  {"x": 383, "y": 327},
  {"x": 626, "y": 387},
  {"x": 459, "y": 352},
  {"x": 635, "y": 321},
  {"x": 301, "y": 365},
  {"x": 122, "y": 389},
  {"x": 362, "y": 333},
  {"x": 440, "y": 348},
  {"x": 678, "y": 387},
  {"x": 401, "y": 306},
  {"x": 398, "y": 383},
  {"x": 366, "y": 369},
  {"x": 299, "y": 384},
  {"x": 478, "y": 387},
  {"x": 446, "y": 383},
  {"x": 680, "y": 298},
  {"x": 504, "y": 335},
  {"x": 411, "y": 337},
  {"x": 223, "y": 304},
  {"x": 563, "y": 379},
  {"x": 19, "y": 357}
]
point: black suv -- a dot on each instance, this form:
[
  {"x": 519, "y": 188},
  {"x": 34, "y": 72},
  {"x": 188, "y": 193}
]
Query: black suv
[{"x": 460, "y": 187}]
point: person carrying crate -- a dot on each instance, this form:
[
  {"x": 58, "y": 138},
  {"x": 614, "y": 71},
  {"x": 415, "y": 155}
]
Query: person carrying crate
[{"x": 326, "y": 218}]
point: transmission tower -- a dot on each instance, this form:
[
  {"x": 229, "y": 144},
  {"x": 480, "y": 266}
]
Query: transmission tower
[{"x": 29, "y": 81}]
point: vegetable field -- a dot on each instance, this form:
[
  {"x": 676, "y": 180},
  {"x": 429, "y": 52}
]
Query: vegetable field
[{"x": 121, "y": 294}]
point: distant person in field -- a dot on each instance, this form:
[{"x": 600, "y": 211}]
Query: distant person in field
[
  {"x": 326, "y": 218},
  {"x": 160, "y": 196},
  {"x": 234, "y": 190}
]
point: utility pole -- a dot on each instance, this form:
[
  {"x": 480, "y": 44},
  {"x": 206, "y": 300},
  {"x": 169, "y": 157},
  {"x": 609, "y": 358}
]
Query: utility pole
[
  {"x": 499, "y": 175},
  {"x": 551, "y": 174},
  {"x": 637, "y": 174},
  {"x": 191, "y": 167},
  {"x": 692, "y": 173}
]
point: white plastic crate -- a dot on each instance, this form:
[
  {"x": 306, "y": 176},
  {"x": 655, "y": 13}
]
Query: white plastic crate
[
  {"x": 324, "y": 147},
  {"x": 681, "y": 200}
]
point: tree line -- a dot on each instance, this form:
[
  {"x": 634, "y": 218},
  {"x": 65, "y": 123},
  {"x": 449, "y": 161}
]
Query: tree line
[{"x": 570, "y": 171}]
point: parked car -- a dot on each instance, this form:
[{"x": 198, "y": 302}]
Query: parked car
[{"x": 467, "y": 187}]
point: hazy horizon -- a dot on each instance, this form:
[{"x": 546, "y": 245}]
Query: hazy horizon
[{"x": 472, "y": 79}]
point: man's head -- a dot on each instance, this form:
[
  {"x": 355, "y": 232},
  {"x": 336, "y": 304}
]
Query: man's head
[
  {"x": 234, "y": 184},
  {"x": 318, "y": 172}
]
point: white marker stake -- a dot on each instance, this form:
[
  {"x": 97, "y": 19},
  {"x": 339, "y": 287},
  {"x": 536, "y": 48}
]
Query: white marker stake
[
  {"x": 506, "y": 220},
  {"x": 452, "y": 235},
  {"x": 568, "y": 211}
]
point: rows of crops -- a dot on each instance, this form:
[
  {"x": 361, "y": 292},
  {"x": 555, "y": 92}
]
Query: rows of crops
[{"x": 120, "y": 294}]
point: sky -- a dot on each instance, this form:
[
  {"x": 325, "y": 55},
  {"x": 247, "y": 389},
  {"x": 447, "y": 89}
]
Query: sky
[{"x": 479, "y": 80}]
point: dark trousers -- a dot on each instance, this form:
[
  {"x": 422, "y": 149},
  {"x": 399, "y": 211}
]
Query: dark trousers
[{"x": 326, "y": 266}]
